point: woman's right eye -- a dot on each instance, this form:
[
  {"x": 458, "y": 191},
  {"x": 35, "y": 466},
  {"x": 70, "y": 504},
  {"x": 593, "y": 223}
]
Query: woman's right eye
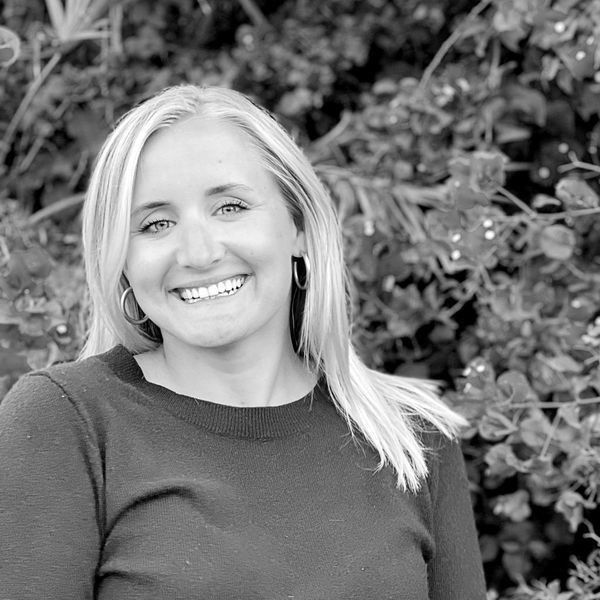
[{"x": 156, "y": 226}]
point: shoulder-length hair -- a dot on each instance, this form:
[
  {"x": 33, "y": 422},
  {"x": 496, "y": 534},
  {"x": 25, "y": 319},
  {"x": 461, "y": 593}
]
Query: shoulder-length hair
[{"x": 388, "y": 411}]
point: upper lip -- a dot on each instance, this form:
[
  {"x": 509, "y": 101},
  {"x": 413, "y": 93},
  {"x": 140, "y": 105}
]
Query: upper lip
[{"x": 207, "y": 282}]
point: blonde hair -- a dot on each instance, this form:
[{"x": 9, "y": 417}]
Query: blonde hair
[{"x": 388, "y": 411}]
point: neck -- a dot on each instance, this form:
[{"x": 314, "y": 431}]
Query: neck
[{"x": 244, "y": 375}]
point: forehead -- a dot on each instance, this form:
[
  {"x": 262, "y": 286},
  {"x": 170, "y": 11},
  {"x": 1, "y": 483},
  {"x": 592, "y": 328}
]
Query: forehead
[
  {"x": 198, "y": 135},
  {"x": 200, "y": 152}
]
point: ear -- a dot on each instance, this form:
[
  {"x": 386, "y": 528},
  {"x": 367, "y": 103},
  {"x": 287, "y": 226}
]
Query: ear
[{"x": 299, "y": 244}]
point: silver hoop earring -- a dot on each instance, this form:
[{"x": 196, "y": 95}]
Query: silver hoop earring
[
  {"x": 127, "y": 316},
  {"x": 302, "y": 286}
]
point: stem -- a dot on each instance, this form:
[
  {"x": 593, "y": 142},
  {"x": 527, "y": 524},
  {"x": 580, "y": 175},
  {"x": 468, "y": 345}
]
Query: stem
[
  {"x": 94, "y": 11},
  {"x": 4, "y": 253},
  {"x": 550, "y": 435},
  {"x": 255, "y": 14},
  {"x": 580, "y": 402},
  {"x": 485, "y": 276},
  {"x": 332, "y": 134},
  {"x": 447, "y": 46},
  {"x": 449, "y": 312},
  {"x": 517, "y": 166},
  {"x": 22, "y": 109},
  {"x": 595, "y": 277},
  {"x": 510, "y": 196},
  {"x": 55, "y": 208},
  {"x": 578, "y": 164},
  {"x": 583, "y": 212}
]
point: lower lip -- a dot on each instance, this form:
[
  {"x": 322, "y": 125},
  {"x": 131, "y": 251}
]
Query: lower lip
[{"x": 218, "y": 297}]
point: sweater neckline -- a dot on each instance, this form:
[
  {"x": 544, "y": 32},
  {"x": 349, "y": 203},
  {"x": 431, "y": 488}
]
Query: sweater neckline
[{"x": 256, "y": 422}]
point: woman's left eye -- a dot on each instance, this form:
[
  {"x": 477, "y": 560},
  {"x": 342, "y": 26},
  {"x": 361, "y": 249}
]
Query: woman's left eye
[
  {"x": 231, "y": 208},
  {"x": 156, "y": 226}
]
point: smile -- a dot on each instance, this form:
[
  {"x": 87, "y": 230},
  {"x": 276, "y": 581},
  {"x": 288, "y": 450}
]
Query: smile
[{"x": 227, "y": 287}]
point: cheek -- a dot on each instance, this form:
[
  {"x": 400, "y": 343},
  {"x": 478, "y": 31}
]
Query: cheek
[
  {"x": 138, "y": 263},
  {"x": 272, "y": 244},
  {"x": 130, "y": 267}
]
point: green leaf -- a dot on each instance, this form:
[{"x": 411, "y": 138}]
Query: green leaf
[
  {"x": 515, "y": 506},
  {"x": 572, "y": 504},
  {"x": 508, "y": 132},
  {"x": 557, "y": 242},
  {"x": 576, "y": 194},
  {"x": 38, "y": 262},
  {"x": 528, "y": 102},
  {"x": 563, "y": 363},
  {"x": 56, "y": 13},
  {"x": 10, "y": 47},
  {"x": 502, "y": 462},
  {"x": 534, "y": 430},
  {"x": 494, "y": 426},
  {"x": 514, "y": 386},
  {"x": 487, "y": 171},
  {"x": 8, "y": 316},
  {"x": 544, "y": 201},
  {"x": 570, "y": 414},
  {"x": 579, "y": 60}
]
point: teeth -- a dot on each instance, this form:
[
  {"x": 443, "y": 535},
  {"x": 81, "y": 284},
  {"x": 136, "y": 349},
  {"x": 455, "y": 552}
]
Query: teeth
[{"x": 222, "y": 288}]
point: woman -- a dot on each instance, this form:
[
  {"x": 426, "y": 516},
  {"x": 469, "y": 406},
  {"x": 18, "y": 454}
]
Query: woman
[{"x": 219, "y": 437}]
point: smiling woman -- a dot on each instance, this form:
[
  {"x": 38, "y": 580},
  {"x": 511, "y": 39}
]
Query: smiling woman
[
  {"x": 206, "y": 214},
  {"x": 199, "y": 447}
]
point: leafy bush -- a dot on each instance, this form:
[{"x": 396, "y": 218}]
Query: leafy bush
[{"x": 460, "y": 145}]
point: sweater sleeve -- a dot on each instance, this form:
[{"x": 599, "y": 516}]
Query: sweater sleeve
[
  {"x": 49, "y": 498},
  {"x": 456, "y": 570}
]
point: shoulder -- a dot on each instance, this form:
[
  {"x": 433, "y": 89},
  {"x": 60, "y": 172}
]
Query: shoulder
[
  {"x": 445, "y": 460},
  {"x": 96, "y": 371},
  {"x": 61, "y": 388},
  {"x": 100, "y": 367}
]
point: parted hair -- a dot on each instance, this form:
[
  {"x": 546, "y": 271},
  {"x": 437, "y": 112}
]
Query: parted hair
[{"x": 389, "y": 412}]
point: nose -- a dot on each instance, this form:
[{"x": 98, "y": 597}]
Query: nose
[{"x": 199, "y": 246}]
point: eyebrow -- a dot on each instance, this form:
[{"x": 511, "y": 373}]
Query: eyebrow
[
  {"x": 227, "y": 187},
  {"x": 213, "y": 191}
]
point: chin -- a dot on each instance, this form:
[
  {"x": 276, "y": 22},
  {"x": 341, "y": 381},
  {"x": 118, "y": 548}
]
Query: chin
[{"x": 209, "y": 340}]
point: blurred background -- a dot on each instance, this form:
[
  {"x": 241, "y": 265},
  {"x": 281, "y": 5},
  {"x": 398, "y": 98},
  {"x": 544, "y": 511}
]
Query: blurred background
[{"x": 459, "y": 141}]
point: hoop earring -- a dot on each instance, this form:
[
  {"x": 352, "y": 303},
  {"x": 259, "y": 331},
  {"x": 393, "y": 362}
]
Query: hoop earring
[
  {"x": 127, "y": 316},
  {"x": 299, "y": 285}
]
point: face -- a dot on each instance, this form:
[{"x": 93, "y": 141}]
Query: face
[{"x": 212, "y": 240}]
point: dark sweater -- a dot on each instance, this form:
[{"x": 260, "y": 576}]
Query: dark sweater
[{"x": 115, "y": 488}]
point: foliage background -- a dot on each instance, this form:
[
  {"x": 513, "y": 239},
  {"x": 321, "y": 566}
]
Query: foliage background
[{"x": 460, "y": 144}]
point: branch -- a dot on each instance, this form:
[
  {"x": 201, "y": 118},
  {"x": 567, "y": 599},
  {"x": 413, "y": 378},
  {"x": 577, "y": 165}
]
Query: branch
[
  {"x": 22, "y": 109},
  {"x": 594, "y": 277},
  {"x": 581, "y": 212},
  {"x": 581, "y": 402},
  {"x": 255, "y": 14},
  {"x": 577, "y": 164},
  {"x": 447, "y": 46},
  {"x": 551, "y": 434},
  {"x": 55, "y": 208},
  {"x": 510, "y": 196},
  {"x": 95, "y": 11},
  {"x": 334, "y": 133}
]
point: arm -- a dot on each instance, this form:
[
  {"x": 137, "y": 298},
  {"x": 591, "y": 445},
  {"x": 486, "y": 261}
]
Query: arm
[
  {"x": 48, "y": 499},
  {"x": 456, "y": 571}
]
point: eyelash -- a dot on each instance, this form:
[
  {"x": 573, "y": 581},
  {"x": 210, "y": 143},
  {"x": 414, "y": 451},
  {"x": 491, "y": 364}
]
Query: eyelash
[
  {"x": 238, "y": 204},
  {"x": 146, "y": 226}
]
